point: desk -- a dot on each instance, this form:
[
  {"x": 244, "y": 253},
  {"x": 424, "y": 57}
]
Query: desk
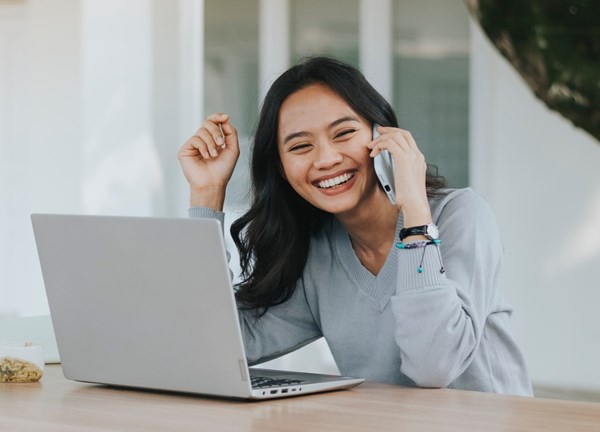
[{"x": 56, "y": 404}]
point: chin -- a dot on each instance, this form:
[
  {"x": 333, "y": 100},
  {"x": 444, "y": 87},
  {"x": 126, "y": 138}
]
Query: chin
[
  {"x": 336, "y": 204},
  {"x": 336, "y": 208}
]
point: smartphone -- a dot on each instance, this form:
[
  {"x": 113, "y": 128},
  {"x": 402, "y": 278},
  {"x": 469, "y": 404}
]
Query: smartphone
[{"x": 384, "y": 168}]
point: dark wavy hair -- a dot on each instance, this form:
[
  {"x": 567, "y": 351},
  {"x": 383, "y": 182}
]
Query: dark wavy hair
[{"x": 273, "y": 237}]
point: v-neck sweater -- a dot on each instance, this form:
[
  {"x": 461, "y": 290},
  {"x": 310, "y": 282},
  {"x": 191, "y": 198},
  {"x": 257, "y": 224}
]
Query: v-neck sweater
[{"x": 402, "y": 326}]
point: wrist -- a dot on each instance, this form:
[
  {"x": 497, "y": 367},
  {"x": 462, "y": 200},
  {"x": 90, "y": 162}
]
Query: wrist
[
  {"x": 414, "y": 238},
  {"x": 211, "y": 197},
  {"x": 416, "y": 215}
]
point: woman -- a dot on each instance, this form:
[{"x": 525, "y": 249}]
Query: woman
[{"x": 320, "y": 248}]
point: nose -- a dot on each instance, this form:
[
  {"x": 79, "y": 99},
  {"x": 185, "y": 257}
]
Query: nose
[{"x": 328, "y": 156}]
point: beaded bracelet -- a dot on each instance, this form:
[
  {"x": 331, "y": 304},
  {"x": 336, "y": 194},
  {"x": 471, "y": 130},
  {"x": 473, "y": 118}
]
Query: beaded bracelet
[
  {"x": 415, "y": 244},
  {"x": 423, "y": 244}
]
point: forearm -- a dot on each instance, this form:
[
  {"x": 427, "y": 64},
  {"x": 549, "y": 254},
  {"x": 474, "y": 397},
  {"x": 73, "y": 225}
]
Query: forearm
[
  {"x": 282, "y": 329},
  {"x": 437, "y": 333},
  {"x": 441, "y": 315},
  {"x": 270, "y": 336}
]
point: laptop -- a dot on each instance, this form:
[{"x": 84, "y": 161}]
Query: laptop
[{"x": 149, "y": 303}]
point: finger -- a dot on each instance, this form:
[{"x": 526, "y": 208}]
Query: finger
[
  {"x": 380, "y": 140},
  {"x": 209, "y": 141},
  {"x": 384, "y": 145},
  {"x": 409, "y": 139},
  {"x": 393, "y": 143},
  {"x": 412, "y": 146},
  {"x": 230, "y": 134},
  {"x": 375, "y": 141},
  {"x": 215, "y": 131},
  {"x": 187, "y": 150},
  {"x": 405, "y": 142},
  {"x": 212, "y": 124},
  {"x": 400, "y": 151},
  {"x": 218, "y": 117},
  {"x": 389, "y": 136},
  {"x": 375, "y": 152},
  {"x": 200, "y": 146}
]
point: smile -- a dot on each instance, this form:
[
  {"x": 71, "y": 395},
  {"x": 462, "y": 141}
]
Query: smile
[{"x": 336, "y": 181}]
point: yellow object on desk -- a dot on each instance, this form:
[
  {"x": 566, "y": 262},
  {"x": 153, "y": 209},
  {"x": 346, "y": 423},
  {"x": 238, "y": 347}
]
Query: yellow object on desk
[{"x": 21, "y": 362}]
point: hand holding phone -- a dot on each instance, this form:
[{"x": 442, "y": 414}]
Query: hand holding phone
[{"x": 384, "y": 168}]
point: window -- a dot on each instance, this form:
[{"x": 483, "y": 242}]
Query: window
[
  {"x": 324, "y": 27},
  {"x": 231, "y": 79},
  {"x": 431, "y": 81}
]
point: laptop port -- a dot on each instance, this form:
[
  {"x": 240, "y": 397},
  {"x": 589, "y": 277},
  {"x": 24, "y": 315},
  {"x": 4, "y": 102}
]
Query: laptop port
[
  {"x": 284, "y": 390},
  {"x": 273, "y": 391}
]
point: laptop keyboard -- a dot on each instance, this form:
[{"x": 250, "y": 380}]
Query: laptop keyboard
[{"x": 262, "y": 382}]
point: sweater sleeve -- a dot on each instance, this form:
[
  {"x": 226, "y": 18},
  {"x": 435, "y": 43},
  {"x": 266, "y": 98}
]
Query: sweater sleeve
[
  {"x": 206, "y": 213},
  {"x": 440, "y": 316},
  {"x": 284, "y": 328}
]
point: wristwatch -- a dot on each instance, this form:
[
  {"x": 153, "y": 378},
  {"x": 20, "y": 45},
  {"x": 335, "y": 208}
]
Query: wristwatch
[{"x": 430, "y": 231}]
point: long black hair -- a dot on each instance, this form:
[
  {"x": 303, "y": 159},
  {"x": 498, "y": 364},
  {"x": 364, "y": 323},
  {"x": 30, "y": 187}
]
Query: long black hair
[{"x": 273, "y": 237}]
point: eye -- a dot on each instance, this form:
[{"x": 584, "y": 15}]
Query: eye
[
  {"x": 345, "y": 132},
  {"x": 299, "y": 148}
]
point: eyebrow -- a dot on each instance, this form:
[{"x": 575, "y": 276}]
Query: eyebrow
[{"x": 332, "y": 124}]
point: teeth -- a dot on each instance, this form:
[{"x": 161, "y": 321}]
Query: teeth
[{"x": 326, "y": 184}]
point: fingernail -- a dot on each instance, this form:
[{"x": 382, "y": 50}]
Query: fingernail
[
  {"x": 213, "y": 153},
  {"x": 220, "y": 141}
]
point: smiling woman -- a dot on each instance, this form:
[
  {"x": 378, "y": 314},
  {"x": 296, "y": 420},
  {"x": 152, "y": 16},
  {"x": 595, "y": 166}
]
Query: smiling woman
[
  {"x": 319, "y": 250},
  {"x": 300, "y": 101}
]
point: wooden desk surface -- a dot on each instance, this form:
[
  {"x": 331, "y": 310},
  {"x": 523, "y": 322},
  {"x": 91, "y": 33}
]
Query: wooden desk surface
[{"x": 56, "y": 404}]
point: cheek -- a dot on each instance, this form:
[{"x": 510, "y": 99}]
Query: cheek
[{"x": 293, "y": 171}]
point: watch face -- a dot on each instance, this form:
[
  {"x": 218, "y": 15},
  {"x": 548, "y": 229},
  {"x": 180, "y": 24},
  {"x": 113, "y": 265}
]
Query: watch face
[{"x": 433, "y": 232}]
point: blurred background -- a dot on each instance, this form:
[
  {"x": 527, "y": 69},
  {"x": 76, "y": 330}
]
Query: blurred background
[{"x": 96, "y": 97}]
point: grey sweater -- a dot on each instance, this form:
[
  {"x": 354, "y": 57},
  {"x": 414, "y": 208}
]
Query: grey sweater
[{"x": 403, "y": 327}]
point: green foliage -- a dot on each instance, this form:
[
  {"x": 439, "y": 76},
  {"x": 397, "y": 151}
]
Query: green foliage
[{"x": 555, "y": 47}]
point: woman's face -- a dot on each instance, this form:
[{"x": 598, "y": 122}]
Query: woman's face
[{"x": 323, "y": 150}]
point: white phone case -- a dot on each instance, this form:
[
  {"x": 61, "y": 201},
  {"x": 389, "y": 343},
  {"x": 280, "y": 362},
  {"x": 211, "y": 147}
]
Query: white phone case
[{"x": 384, "y": 168}]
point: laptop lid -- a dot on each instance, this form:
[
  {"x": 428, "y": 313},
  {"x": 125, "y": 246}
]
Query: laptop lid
[{"x": 143, "y": 302}]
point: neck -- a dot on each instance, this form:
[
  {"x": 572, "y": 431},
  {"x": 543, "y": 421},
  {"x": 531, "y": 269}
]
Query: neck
[{"x": 372, "y": 225}]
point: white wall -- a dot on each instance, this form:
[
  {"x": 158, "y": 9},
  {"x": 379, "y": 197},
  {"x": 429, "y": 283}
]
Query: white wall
[
  {"x": 40, "y": 126},
  {"x": 91, "y": 101},
  {"x": 541, "y": 175},
  {"x": 121, "y": 170}
]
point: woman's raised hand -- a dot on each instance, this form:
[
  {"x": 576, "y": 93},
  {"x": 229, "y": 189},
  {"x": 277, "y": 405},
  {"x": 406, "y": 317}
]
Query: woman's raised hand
[
  {"x": 208, "y": 159},
  {"x": 410, "y": 171}
]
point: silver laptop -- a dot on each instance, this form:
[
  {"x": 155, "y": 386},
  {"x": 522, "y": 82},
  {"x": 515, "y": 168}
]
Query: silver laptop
[{"x": 149, "y": 303}]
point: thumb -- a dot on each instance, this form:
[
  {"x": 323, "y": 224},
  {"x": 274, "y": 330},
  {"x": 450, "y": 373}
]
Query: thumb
[{"x": 230, "y": 134}]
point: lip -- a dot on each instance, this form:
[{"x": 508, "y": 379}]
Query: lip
[{"x": 338, "y": 189}]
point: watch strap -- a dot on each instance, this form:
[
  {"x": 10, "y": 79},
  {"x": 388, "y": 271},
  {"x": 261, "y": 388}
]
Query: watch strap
[{"x": 411, "y": 231}]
